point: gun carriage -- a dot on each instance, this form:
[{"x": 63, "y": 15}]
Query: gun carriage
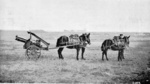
[{"x": 33, "y": 49}]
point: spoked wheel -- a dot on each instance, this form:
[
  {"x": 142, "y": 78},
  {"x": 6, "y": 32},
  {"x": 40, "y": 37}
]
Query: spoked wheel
[{"x": 33, "y": 52}]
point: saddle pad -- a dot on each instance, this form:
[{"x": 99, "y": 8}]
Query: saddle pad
[{"x": 74, "y": 39}]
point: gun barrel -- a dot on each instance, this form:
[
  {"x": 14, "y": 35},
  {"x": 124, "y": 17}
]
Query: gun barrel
[{"x": 20, "y": 39}]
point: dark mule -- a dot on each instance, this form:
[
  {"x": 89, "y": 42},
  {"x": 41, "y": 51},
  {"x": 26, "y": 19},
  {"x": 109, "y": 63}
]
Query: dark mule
[
  {"x": 64, "y": 41},
  {"x": 116, "y": 45}
]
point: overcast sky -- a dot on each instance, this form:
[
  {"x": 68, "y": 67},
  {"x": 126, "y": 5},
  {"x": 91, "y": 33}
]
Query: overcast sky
[{"x": 92, "y": 15}]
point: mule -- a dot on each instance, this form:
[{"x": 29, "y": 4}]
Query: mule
[
  {"x": 116, "y": 45},
  {"x": 64, "y": 41}
]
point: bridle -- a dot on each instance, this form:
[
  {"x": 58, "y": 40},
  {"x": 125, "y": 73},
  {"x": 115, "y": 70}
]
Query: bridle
[{"x": 84, "y": 38}]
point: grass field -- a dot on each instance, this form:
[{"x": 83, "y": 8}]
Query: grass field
[{"x": 15, "y": 67}]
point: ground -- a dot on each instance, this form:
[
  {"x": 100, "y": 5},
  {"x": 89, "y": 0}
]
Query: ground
[{"x": 16, "y": 68}]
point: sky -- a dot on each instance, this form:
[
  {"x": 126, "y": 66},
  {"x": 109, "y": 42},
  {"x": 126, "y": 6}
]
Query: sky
[{"x": 90, "y": 15}]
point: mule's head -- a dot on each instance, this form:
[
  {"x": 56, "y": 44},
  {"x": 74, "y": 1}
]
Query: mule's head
[
  {"x": 126, "y": 40},
  {"x": 86, "y": 38}
]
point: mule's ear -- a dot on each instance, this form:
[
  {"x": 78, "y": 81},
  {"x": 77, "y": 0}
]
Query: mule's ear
[
  {"x": 88, "y": 34},
  {"x": 128, "y": 36}
]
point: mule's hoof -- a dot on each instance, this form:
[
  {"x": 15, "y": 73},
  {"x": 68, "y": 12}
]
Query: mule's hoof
[
  {"x": 120, "y": 60},
  {"x": 83, "y": 58},
  {"x": 28, "y": 58},
  {"x": 61, "y": 58}
]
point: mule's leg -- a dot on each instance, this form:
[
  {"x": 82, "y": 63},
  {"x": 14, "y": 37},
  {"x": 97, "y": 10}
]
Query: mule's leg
[
  {"x": 60, "y": 53},
  {"x": 83, "y": 50},
  {"x": 106, "y": 55},
  {"x": 103, "y": 53},
  {"x": 123, "y": 54},
  {"x": 77, "y": 57},
  {"x": 119, "y": 55}
]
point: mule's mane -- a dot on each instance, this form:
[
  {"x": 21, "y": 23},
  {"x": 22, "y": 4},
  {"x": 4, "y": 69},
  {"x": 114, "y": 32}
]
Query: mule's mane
[
  {"x": 82, "y": 37},
  {"x": 125, "y": 38}
]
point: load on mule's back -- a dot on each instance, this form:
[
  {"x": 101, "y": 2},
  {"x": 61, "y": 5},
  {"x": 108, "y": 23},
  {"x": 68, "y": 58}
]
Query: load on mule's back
[
  {"x": 74, "y": 41},
  {"x": 118, "y": 43}
]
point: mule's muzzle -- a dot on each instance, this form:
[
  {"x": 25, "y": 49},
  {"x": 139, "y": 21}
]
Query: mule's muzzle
[{"x": 88, "y": 42}]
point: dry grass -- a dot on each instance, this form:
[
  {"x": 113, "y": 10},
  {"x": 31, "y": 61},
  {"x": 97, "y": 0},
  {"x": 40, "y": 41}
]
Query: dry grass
[{"x": 14, "y": 66}]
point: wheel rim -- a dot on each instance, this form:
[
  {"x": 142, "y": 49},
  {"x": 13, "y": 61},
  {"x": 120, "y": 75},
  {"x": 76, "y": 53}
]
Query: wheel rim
[{"x": 33, "y": 52}]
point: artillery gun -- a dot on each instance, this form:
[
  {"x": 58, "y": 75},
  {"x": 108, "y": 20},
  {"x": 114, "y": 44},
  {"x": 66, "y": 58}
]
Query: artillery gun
[{"x": 33, "y": 49}]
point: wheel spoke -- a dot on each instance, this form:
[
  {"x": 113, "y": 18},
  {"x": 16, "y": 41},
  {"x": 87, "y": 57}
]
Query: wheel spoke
[{"x": 33, "y": 52}]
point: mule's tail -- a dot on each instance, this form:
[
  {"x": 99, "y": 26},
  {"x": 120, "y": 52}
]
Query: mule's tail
[
  {"x": 106, "y": 44},
  {"x": 57, "y": 43},
  {"x": 103, "y": 46},
  {"x": 61, "y": 41}
]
